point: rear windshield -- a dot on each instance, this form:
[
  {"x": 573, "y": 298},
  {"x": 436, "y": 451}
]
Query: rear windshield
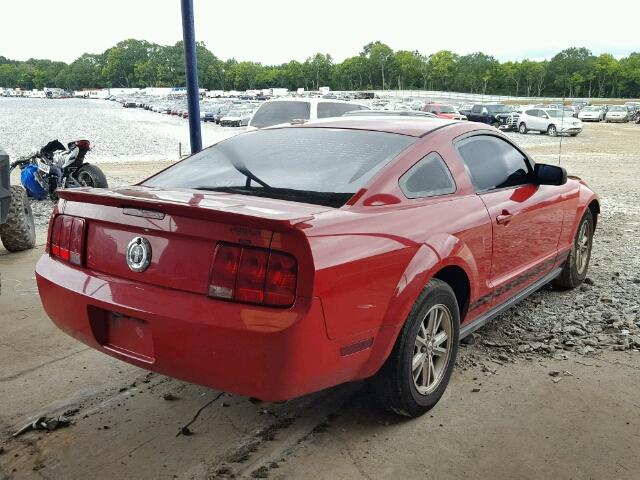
[
  {"x": 329, "y": 109},
  {"x": 447, "y": 109},
  {"x": 311, "y": 165},
  {"x": 274, "y": 113}
]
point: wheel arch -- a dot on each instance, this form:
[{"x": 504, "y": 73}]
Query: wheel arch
[
  {"x": 453, "y": 265},
  {"x": 458, "y": 279},
  {"x": 594, "y": 206}
]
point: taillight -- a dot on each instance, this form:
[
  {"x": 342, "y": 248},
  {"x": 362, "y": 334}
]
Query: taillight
[
  {"x": 67, "y": 239},
  {"x": 253, "y": 275},
  {"x": 282, "y": 276}
]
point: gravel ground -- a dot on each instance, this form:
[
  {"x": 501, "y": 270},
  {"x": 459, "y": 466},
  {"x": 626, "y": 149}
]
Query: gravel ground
[{"x": 117, "y": 134}]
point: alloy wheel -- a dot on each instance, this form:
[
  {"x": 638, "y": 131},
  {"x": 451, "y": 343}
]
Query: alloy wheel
[
  {"x": 432, "y": 349},
  {"x": 583, "y": 247}
]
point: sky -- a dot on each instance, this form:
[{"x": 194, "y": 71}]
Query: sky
[{"x": 278, "y": 31}]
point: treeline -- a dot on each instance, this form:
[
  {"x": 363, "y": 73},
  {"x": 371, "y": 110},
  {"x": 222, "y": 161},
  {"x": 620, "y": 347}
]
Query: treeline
[{"x": 574, "y": 72}]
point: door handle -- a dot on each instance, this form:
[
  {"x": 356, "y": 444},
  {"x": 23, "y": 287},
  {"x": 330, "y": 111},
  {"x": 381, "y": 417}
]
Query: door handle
[{"x": 504, "y": 218}]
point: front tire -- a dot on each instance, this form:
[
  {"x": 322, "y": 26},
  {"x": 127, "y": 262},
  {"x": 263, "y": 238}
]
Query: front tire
[
  {"x": 19, "y": 230},
  {"x": 575, "y": 269},
  {"x": 417, "y": 372},
  {"x": 522, "y": 128},
  {"x": 91, "y": 176},
  {"x": 552, "y": 131}
]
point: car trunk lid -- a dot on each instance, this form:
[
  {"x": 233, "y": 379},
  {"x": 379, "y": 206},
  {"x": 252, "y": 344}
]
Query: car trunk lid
[{"x": 182, "y": 227}]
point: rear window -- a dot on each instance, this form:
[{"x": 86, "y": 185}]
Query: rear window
[
  {"x": 311, "y": 165},
  {"x": 274, "y": 113},
  {"x": 447, "y": 109},
  {"x": 329, "y": 109}
]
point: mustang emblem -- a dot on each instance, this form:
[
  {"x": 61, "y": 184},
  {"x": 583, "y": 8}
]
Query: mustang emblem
[{"x": 139, "y": 254}]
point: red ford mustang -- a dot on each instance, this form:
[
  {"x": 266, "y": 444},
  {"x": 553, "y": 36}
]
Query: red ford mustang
[{"x": 287, "y": 260}]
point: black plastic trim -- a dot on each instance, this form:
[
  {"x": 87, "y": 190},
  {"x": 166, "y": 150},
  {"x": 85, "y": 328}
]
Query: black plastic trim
[{"x": 497, "y": 310}]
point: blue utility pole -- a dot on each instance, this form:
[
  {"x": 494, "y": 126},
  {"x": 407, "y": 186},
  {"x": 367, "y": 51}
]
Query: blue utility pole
[{"x": 191, "y": 71}]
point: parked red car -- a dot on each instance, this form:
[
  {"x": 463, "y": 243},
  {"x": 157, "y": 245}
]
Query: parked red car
[
  {"x": 443, "y": 111},
  {"x": 287, "y": 260}
]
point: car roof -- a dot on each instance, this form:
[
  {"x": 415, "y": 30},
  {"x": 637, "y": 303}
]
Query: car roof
[
  {"x": 310, "y": 100},
  {"x": 411, "y": 126}
]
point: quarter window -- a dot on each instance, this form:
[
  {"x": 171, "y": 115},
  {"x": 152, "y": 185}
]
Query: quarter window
[
  {"x": 493, "y": 163},
  {"x": 427, "y": 178}
]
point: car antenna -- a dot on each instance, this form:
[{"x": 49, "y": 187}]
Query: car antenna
[{"x": 564, "y": 96}]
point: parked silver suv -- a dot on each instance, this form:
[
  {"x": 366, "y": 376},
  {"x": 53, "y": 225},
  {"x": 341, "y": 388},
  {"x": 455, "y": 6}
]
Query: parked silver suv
[{"x": 551, "y": 121}]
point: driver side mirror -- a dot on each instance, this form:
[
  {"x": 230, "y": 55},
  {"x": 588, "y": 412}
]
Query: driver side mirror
[{"x": 549, "y": 174}]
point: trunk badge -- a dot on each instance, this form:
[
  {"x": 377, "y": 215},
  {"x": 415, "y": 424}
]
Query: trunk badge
[{"x": 139, "y": 254}]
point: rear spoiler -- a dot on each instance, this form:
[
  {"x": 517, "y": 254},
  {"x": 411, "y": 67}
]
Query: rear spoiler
[{"x": 152, "y": 202}]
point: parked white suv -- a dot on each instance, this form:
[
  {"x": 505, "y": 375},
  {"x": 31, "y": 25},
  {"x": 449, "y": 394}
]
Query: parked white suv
[
  {"x": 275, "y": 112},
  {"x": 548, "y": 120}
]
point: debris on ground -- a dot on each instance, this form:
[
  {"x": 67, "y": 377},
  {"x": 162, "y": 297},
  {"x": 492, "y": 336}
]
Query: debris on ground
[
  {"x": 184, "y": 430},
  {"x": 44, "y": 423}
]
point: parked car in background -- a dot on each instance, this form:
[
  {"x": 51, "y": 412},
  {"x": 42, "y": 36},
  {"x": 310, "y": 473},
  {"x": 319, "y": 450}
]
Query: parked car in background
[
  {"x": 465, "y": 109},
  {"x": 491, "y": 114},
  {"x": 275, "y": 112},
  {"x": 238, "y": 116},
  {"x": 509, "y": 123},
  {"x": 550, "y": 121},
  {"x": 288, "y": 260},
  {"x": 593, "y": 113},
  {"x": 617, "y": 113},
  {"x": 129, "y": 104},
  {"x": 441, "y": 110}
]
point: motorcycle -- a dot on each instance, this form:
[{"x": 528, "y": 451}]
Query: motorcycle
[{"x": 54, "y": 167}]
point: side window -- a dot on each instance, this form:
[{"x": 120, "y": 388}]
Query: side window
[
  {"x": 532, "y": 113},
  {"x": 330, "y": 109},
  {"x": 476, "y": 108},
  {"x": 493, "y": 163},
  {"x": 427, "y": 178}
]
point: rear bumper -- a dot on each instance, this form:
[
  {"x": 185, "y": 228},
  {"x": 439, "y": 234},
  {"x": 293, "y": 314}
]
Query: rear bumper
[{"x": 270, "y": 354}]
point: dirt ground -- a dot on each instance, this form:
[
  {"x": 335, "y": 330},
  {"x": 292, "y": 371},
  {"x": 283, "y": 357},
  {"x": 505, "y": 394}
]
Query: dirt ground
[{"x": 562, "y": 412}]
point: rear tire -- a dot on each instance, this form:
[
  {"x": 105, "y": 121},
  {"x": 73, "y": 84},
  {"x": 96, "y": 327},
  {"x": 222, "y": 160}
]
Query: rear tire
[
  {"x": 575, "y": 269},
  {"x": 91, "y": 176},
  {"x": 417, "y": 372},
  {"x": 19, "y": 231}
]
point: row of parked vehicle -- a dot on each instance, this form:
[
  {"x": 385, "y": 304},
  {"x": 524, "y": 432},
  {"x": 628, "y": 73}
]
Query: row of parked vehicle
[
  {"x": 610, "y": 113},
  {"x": 552, "y": 119},
  {"x": 240, "y": 113},
  {"x": 225, "y": 112}
]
